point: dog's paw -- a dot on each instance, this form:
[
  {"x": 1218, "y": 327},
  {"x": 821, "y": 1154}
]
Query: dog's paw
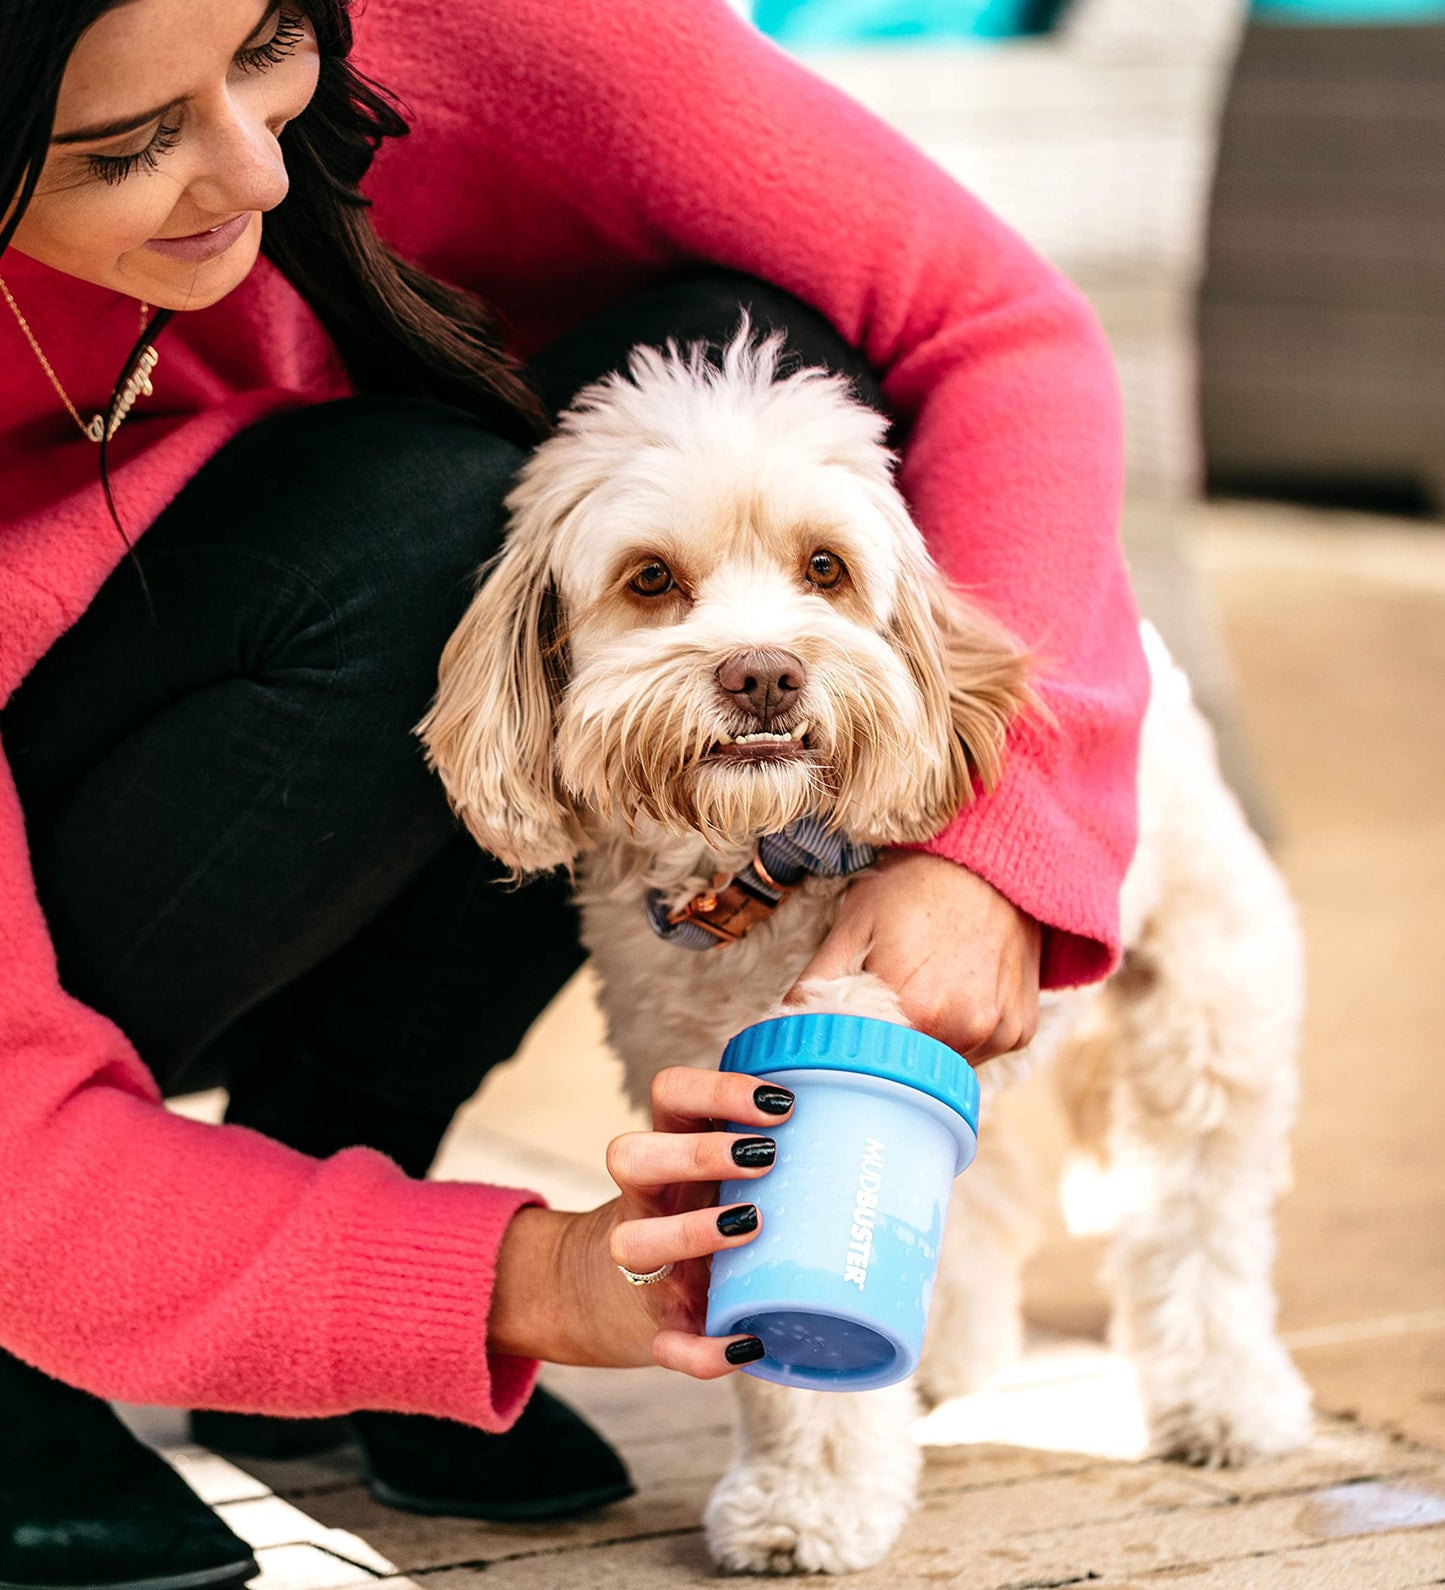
[
  {"x": 853, "y": 994},
  {"x": 764, "y": 1518},
  {"x": 1259, "y": 1409}
]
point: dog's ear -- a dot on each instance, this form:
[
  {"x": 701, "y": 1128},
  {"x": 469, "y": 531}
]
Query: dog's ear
[
  {"x": 973, "y": 678},
  {"x": 490, "y": 731}
]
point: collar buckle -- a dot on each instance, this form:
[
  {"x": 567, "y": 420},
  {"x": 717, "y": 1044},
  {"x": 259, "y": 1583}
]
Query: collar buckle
[{"x": 729, "y": 908}]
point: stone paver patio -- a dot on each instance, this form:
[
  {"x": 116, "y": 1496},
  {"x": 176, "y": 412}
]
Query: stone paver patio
[{"x": 1359, "y": 1508}]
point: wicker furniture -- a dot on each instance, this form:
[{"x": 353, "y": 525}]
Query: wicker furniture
[{"x": 1322, "y": 314}]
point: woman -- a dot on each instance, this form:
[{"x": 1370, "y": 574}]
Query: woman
[{"x": 221, "y": 855}]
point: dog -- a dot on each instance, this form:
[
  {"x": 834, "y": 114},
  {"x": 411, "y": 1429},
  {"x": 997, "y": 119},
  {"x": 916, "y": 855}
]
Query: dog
[{"x": 713, "y": 620}]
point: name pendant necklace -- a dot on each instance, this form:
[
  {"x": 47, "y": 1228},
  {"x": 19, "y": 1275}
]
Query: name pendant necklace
[{"x": 137, "y": 385}]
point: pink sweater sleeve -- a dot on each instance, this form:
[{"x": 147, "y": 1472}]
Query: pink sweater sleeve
[
  {"x": 683, "y": 135},
  {"x": 154, "y": 1259}
]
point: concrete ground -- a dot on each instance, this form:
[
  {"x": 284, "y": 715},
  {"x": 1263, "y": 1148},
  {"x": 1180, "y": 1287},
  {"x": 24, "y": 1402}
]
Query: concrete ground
[{"x": 1336, "y": 625}]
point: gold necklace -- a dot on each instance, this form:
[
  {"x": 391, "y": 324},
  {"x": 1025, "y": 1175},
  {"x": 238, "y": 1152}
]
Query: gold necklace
[{"x": 138, "y": 384}]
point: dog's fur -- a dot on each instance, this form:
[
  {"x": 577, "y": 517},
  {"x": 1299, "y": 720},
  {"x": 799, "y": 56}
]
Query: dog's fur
[{"x": 576, "y": 725}]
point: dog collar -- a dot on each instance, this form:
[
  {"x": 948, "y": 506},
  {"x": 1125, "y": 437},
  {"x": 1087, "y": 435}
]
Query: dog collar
[{"x": 733, "y": 905}]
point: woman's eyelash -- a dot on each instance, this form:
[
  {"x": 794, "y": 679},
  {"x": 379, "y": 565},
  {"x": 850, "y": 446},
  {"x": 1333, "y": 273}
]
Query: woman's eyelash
[
  {"x": 290, "y": 30},
  {"x": 116, "y": 168}
]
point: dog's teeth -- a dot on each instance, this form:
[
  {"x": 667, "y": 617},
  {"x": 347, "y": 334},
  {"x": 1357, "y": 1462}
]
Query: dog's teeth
[{"x": 764, "y": 737}]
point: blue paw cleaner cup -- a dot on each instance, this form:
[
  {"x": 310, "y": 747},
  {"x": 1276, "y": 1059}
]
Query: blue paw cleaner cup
[{"x": 838, "y": 1280}]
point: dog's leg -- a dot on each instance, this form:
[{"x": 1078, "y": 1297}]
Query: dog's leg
[
  {"x": 821, "y": 1482},
  {"x": 1208, "y": 1006},
  {"x": 975, "y": 1327}
]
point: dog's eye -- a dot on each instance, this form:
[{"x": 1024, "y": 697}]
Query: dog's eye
[
  {"x": 825, "y": 569},
  {"x": 652, "y": 579}
]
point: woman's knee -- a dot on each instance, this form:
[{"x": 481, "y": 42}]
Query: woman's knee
[
  {"x": 811, "y": 338},
  {"x": 702, "y": 304},
  {"x": 373, "y": 515},
  {"x": 404, "y": 488}
]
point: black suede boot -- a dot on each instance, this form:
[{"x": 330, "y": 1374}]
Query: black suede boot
[
  {"x": 551, "y": 1464},
  {"x": 84, "y": 1505}
]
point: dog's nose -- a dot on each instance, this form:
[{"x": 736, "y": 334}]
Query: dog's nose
[{"x": 765, "y": 682}]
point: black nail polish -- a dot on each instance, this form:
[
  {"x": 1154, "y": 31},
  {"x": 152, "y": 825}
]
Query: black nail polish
[
  {"x": 773, "y": 1101},
  {"x": 739, "y": 1220},
  {"x": 754, "y": 1151},
  {"x": 746, "y": 1351}
]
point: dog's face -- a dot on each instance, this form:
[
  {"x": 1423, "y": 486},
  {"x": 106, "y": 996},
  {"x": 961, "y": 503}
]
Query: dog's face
[{"x": 714, "y": 615}]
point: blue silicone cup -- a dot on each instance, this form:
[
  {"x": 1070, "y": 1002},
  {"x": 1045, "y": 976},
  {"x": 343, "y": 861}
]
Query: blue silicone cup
[{"x": 838, "y": 1280}]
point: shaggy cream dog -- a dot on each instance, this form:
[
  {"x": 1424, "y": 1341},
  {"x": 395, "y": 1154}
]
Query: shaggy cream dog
[{"x": 714, "y": 616}]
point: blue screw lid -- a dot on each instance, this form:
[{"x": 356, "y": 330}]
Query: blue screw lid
[{"x": 816, "y": 1042}]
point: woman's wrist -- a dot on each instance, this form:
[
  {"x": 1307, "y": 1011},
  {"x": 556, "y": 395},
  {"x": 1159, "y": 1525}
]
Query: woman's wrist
[
  {"x": 528, "y": 1311},
  {"x": 557, "y": 1295}
]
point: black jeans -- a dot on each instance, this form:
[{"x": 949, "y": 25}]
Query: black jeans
[{"x": 242, "y": 856}]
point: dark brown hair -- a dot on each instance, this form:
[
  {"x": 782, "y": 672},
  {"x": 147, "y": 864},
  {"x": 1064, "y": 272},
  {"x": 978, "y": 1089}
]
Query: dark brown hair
[{"x": 398, "y": 329}]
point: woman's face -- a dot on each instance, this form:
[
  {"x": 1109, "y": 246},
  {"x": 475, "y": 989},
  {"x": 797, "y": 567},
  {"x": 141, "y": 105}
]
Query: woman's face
[{"x": 164, "y": 153}]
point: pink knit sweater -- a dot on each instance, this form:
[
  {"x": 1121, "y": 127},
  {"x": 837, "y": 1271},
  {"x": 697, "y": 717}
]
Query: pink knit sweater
[{"x": 565, "y": 154}]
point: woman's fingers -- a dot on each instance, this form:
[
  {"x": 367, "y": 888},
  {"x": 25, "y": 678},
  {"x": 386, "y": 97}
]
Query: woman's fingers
[
  {"x": 685, "y": 1098},
  {"x": 655, "y": 1159},
  {"x": 655, "y": 1168},
  {"x": 644, "y": 1245},
  {"x": 704, "y": 1357}
]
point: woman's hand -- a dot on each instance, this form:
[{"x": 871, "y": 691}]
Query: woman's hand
[
  {"x": 558, "y": 1293},
  {"x": 963, "y": 960}
]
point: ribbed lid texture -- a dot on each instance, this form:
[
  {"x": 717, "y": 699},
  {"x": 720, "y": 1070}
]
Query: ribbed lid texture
[{"x": 863, "y": 1044}]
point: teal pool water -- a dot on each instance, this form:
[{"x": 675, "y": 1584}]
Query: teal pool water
[
  {"x": 861, "y": 21},
  {"x": 1349, "y": 13}
]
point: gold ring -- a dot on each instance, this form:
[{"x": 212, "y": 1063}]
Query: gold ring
[{"x": 649, "y": 1278}]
